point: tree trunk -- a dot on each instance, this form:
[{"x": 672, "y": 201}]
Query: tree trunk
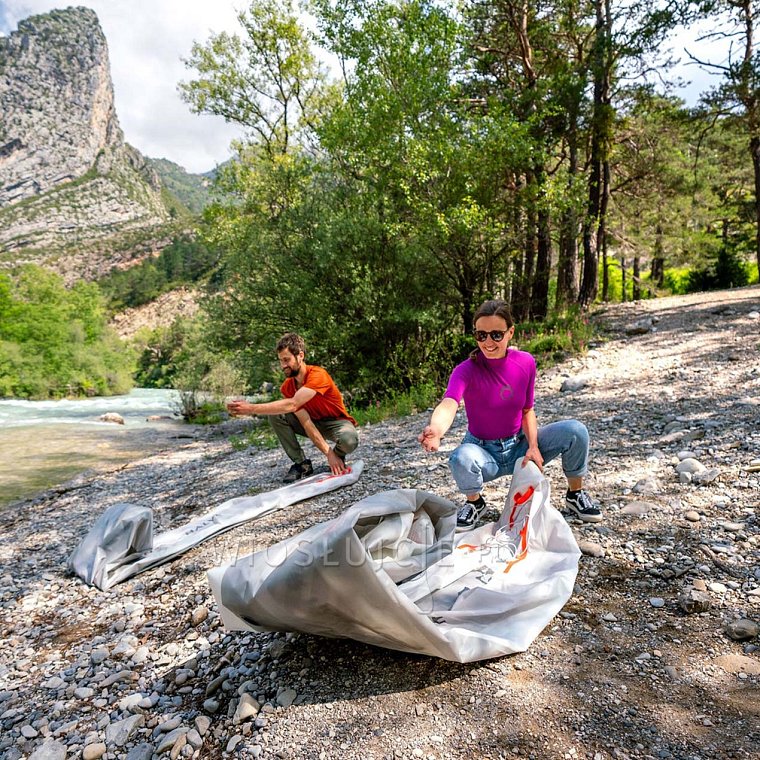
[
  {"x": 624, "y": 294},
  {"x": 539, "y": 300},
  {"x": 601, "y": 126},
  {"x": 754, "y": 145},
  {"x": 567, "y": 263},
  {"x": 636, "y": 278},
  {"x": 523, "y": 281},
  {"x": 658, "y": 260}
]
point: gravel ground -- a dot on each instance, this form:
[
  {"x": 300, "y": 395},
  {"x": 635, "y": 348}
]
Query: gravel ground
[{"x": 654, "y": 656}]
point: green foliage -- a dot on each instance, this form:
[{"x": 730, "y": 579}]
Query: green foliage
[
  {"x": 193, "y": 190},
  {"x": 399, "y": 404},
  {"x": 676, "y": 280},
  {"x": 184, "y": 261},
  {"x": 728, "y": 271},
  {"x": 55, "y": 342},
  {"x": 261, "y": 436},
  {"x": 556, "y": 338},
  {"x": 194, "y": 407}
]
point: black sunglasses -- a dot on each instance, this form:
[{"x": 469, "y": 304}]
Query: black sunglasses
[{"x": 496, "y": 335}]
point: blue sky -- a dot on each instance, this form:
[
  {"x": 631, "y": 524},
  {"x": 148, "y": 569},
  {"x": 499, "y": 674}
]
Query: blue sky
[{"x": 147, "y": 40}]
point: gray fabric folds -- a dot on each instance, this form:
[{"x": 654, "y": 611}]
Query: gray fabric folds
[
  {"x": 391, "y": 571},
  {"x": 121, "y": 543}
]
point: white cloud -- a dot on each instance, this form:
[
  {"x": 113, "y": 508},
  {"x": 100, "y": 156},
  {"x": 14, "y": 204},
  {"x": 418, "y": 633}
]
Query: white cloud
[{"x": 146, "y": 41}]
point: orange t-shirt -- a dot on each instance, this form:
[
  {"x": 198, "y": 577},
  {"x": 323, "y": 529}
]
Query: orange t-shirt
[{"x": 327, "y": 404}]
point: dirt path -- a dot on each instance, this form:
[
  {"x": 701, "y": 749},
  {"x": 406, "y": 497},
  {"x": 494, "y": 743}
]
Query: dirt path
[{"x": 625, "y": 671}]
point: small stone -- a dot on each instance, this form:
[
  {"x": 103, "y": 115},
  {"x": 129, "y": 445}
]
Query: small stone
[
  {"x": 694, "y": 601},
  {"x": 657, "y": 601},
  {"x": 591, "y": 549},
  {"x": 742, "y": 629},
  {"x": 50, "y": 750},
  {"x": 717, "y": 588},
  {"x": 99, "y": 655},
  {"x": 140, "y": 752},
  {"x": 692, "y": 516},
  {"x": 647, "y": 486},
  {"x": 28, "y": 732},
  {"x": 198, "y": 615},
  {"x": 691, "y": 466},
  {"x": 211, "y": 705},
  {"x": 120, "y": 732},
  {"x": 168, "y": 741},
  {"x": 286, "y": 697},
  {"x": 194, "y": 739},
  {"x": 202, "y": 723},
  {"x": 573, "y": 384},
  {"x": 248, "y": 707},
  {"x": 233, "y": 742},
  {"x": 94, "y": 751},
  {"x": 639, "y": 508}
]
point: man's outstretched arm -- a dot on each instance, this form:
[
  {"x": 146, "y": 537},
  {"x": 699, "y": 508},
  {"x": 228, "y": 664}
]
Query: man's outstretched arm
[
  {"x": 281, "y": 406},
  {"x": 336, "y": 464}
]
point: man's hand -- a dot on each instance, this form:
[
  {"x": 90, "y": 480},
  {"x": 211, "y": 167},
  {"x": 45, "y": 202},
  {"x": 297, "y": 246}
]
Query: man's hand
[
  {"x": 337, "y": 465},
  {"x": 429, "y": 439},
  {"x": 534, "y": 455},
  {"x": 240, "y": 408}
]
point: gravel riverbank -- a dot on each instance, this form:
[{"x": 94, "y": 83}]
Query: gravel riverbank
[{"x": 656, "y": 655}]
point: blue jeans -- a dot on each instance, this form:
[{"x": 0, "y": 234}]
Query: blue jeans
[{"x": 476, "y": 461}]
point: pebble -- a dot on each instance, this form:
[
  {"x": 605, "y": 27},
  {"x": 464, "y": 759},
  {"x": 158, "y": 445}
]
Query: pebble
[
  {"x": 202, "y": 723},
  {"x": 198, "y": 615},
  {"x": 286, "y": 697},
  {"x": 639, "y": 508},
  {"x": 120, "y": 732},
  {"x": 657, "y": 601},
  {"x": 591, "y": 549},
  {"x": 692, "y": 516},
  {"x": 248, "y": 707},
  {"x": 94, "y": 751},
  {"x": 742, "y": 629},
  {"x": 49, "y": 750},
  {"x": 694, "y": 601}
]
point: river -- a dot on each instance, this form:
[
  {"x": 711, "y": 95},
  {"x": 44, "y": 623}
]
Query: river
[{"x": 45, "y": 443}]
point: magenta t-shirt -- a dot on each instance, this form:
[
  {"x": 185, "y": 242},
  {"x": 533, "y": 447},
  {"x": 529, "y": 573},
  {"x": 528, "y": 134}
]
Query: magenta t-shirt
[{"x": 495, "y": 392}]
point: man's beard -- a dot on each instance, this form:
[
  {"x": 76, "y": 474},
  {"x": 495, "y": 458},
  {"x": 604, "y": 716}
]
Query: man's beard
[{"x": 290, "y": 372}]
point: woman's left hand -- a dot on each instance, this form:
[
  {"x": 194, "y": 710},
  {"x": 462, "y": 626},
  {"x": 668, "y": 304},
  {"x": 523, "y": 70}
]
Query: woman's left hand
[{"x": 534, "y": 455}]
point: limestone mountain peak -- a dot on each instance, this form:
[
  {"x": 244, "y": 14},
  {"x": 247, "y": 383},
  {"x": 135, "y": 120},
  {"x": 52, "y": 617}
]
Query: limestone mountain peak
[
  {"x": 56, "y": 97},
  {"x": 73, "y": 195}
]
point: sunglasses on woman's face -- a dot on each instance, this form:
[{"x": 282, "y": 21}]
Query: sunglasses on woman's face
[{"x": 496, "y": 335}]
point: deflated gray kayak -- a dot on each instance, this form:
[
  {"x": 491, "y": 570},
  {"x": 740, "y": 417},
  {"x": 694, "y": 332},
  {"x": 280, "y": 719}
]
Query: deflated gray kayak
[
  {"x": 392, "y": 571},
  {"x": 121, "y": 542}
]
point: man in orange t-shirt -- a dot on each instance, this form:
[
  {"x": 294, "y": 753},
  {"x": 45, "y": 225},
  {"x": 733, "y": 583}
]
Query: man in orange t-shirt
[{"x": 311, "y": 406}]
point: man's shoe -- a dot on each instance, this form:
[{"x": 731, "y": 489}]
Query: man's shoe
[
  {"x": 580, "y": 503},
  {"x": 470, "y": 513},
  {"x": 298, "y": 471}
]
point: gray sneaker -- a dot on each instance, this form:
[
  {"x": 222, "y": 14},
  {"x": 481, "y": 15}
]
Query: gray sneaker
[
  {"x": 298, "y": 471},
  {"x": 580, "y": 503},
  {"x": 469, "y": 513}
]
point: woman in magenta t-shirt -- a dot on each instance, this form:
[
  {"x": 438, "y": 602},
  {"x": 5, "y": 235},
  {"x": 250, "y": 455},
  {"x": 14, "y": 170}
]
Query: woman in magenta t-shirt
[{"x": 497, "y": 387}]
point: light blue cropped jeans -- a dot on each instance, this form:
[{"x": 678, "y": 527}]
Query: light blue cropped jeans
[{"x": 476, "y": 461}]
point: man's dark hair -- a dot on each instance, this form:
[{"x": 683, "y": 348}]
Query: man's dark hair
[{"x": 293, "y": 342}]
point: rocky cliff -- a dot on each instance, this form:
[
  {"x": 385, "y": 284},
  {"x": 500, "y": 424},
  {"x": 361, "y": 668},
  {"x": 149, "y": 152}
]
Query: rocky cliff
[{"x": 73, "y": 194}]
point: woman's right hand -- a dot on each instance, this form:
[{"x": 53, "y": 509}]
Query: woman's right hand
[{"x": 429, "y": 439}]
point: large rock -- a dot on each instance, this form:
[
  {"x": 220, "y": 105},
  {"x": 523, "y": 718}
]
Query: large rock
[{"x": 62, "y": 152}]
